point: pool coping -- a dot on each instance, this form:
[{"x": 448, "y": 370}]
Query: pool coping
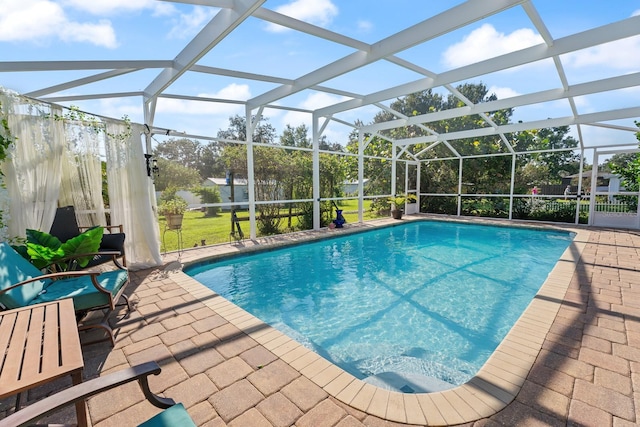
[{"x": 495, "y": 385}]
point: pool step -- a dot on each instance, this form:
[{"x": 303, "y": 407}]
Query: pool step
[{"x": 408, "y": 383}]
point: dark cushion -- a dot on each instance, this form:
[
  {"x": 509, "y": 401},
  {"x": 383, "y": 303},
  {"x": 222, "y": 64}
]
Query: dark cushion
[
  {"x": 113, "y": 242},
  {"x": 65, "y": 224}
]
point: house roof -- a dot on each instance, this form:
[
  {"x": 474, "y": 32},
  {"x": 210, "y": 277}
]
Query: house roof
[
  {"x": 223, "y": 181},
  {"x": 587, "y": 174}
]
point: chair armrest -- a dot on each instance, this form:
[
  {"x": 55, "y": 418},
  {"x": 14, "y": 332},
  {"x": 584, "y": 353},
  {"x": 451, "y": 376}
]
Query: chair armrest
[
  {"x": 109, "y": 228},
  {"x": 113, "y": 254},
  {"x": 54, "y": 276},
  {"x": 87, "y": 389}
]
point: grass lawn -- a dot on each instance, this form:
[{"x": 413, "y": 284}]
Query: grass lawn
[{"x": 197, "y": 228}]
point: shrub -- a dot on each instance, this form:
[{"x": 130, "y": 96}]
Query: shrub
[
  {"x": 209, "y": 195},
  {"x": 175, "y": 206}
]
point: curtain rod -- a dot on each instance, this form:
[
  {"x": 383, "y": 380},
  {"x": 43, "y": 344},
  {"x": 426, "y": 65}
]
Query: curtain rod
[{"x": 154, "y": 130}]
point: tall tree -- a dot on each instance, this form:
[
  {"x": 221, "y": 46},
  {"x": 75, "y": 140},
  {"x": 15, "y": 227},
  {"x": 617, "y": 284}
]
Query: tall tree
[
  {"x": 182, "y": 150},
  {"x": 205, "y": 159},
  {"x": 548, "y": 167},
  {"x": 296, "y": 137},
  {"x": 173, "y": 174},
  {"x": 629, "y": 174},
  {"x": 486, "y": 175},
  {"x": 211, "y": 163},
  {"x": 237, "y": 130}
]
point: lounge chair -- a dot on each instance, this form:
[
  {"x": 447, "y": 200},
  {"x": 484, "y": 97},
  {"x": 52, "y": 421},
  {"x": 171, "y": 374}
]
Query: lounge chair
[
  {"x": 65, "y": 226},
  {"x": 173, "y": 414},
  {"x": 22, "y": 284}
]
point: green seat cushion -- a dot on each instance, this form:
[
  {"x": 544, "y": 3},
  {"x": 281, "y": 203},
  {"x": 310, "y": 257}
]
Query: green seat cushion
[
  {"x": 174, "y": 416},
  {"x": 85, "y": 295},
  {"x": 14, "y": 269}
]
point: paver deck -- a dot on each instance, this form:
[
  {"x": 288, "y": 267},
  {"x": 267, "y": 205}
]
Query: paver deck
[{"x": 572, "y": 359}]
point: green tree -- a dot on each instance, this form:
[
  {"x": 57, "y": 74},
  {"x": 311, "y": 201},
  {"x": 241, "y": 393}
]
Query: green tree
[
  {"x": 629, "y": 173},
  {"x": 486, "y": 176},
  {"x": 209, "y": 195},
  {"x": 211, "y": 163},
  {"x": 377, "y": 171},
  {"x": 174, "y": 174},
  {"x": 551, "y": 166},
  {"x": 619, "y": 161},
  {"x": 263, "y": 133},
  {"x": 184, "y": 151},
  {"x": 268, "y": 168},
  {"x": 296, "y": 137}
]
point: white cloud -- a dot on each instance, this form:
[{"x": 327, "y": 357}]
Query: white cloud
[
  {"x": 617, "y": 55},
  {"x": 502, "y": 92},
  {"x": 233, "y": 91},
  {"x": 44, "y": 21},
  {"x": 117, "y": 108},
  {"x": 188, "y": 24},
  {"x": 636, "y": 12},
  {"x": 41, "y": 21},
  {"x": 34, "y": 21},
  {"x": 317, "y": 12},
  {"x": 320, "y": 100},
  {"x": 112, "y": 7},
  {"x": 100, "y": 34},
  {"x": 364, "y": 26},
  {"x": 485, "y": 42},
  {"x": 312, "y": 102}
]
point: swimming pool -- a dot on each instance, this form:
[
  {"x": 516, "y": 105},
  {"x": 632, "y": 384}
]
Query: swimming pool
[{"x": 427, "y": 301}]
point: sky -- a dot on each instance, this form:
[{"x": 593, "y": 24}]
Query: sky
[{"x": 33, "y": 30}]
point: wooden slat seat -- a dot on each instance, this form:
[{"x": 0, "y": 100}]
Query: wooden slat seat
[{"x": 38, "y": 344}]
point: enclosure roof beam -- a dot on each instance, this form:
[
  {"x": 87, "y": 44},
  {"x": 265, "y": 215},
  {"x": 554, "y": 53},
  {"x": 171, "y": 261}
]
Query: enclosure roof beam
[
  {"x": 239, "y": 74},
  {"x": 611, "y": 126},
  {"x": 269, "y": 79},
  {"x": 225, "y": 21},
  {"x": 67, "y": 98},
  {"x": 304, "y": 27},
  {"x": 623, "y": 113},
  {"x": 80, "y": 82},
  {"x": 604, "y": 85},
  {"x": 23, "y": 66},
  {"x": 451, "y": 19},
  {"x": 589, "y": 38}
]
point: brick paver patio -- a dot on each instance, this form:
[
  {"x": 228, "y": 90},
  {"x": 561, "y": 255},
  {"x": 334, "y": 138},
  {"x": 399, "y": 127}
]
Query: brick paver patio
[{"x": 587, "y": 372}]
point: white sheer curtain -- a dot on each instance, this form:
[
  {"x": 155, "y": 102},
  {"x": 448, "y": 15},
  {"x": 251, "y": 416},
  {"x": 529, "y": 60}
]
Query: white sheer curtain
[
  {"x": 33, "y": 171},
  {"x": 130, "y": 192},
  {"x": 81, "y": 184}
]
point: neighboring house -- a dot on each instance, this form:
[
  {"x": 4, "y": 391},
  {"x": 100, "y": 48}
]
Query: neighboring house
[
  {"x": 606, "y": 182},
  {"x": 350, "y": 188},
  {"x": 192, "y": 199},
  {"x": 240, "y": 189}
]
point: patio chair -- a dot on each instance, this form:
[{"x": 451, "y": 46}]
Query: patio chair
[
  {"x": 65, "y": 226},
  {"x": 174, "y": 414},
  {"x": 22, "y": 284}
]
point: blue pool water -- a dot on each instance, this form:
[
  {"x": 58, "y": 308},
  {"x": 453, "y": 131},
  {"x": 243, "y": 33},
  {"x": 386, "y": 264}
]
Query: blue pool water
[{"x": 424, "y": 303}]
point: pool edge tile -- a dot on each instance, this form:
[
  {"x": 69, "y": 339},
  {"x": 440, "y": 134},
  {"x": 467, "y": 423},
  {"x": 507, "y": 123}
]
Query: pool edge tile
[
  {"x": 378, "y": 404},
  {"x": 413, "y": 410},
  {"x": 339, "y": 383},
  {"x": 395, "y": 408}
]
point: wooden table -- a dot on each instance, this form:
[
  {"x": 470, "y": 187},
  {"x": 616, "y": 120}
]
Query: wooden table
[{"x": 38, "y": 344}]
